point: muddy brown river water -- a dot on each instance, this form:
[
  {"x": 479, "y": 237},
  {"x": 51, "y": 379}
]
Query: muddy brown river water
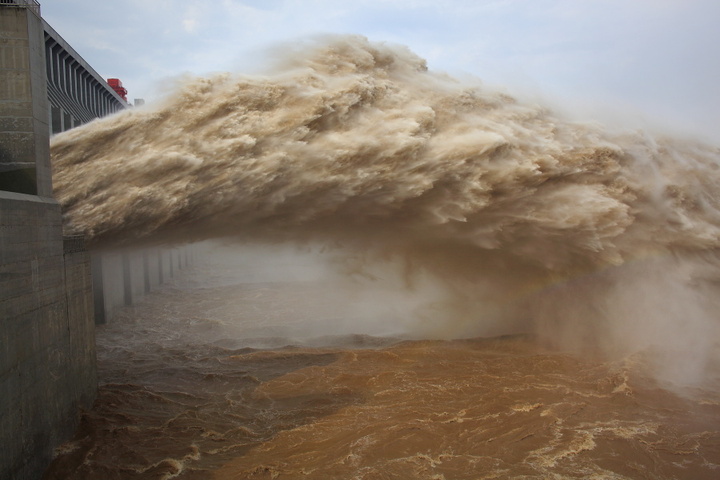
[
  {"x": 513, "y": 294},
  {"x": 221, "y": 375}
]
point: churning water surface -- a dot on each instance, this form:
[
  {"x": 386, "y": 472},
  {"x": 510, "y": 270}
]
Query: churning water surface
[
  {"x": 251, "y": 366},
  {"x": 477, "y": 287}
]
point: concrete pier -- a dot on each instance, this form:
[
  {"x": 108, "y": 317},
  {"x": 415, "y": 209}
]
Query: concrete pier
[
  {"x": 50, "y": 300},
  {"x": 24, "y": 108},
  {"x": 122, "y": 278},
  {"x": 47, "y": 344}
]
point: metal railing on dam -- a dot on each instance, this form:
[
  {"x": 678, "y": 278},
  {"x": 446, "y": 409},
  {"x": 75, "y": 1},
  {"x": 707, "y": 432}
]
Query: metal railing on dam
[{"x": 77, "y": 93}]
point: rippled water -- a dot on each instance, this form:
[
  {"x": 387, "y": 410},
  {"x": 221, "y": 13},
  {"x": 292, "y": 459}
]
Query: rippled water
[{"x": 240, "y": 371}]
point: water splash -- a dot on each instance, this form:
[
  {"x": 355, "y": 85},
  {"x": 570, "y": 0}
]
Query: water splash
[{"x": 358, "y": 143}]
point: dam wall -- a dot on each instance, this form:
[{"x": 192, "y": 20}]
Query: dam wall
[
  {"x": 47, "y": 344},
  {"x": 49, "y": 299}
]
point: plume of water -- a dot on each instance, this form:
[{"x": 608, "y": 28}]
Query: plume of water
[{"x": 520, "y": 218}]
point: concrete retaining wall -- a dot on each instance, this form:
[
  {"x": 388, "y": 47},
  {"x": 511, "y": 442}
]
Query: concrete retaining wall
[
  {"x": 47, "y": 318},
  {"x": 47, "y": 347}
]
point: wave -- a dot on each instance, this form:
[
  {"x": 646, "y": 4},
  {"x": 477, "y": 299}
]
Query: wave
[{"x": 519, "y": 216}]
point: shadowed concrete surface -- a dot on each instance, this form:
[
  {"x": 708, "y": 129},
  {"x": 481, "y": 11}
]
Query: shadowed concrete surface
[
  {"x": 47, "y": 345},
  {"x": 49, "y": 300}
]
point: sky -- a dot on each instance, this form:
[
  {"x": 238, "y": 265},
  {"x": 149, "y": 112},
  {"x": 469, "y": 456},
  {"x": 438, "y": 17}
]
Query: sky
[{"x": 627, "y": 63}]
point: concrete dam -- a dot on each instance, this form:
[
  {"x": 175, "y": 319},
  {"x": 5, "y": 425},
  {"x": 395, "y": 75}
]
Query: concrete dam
[{"x": 52, "y": 289}]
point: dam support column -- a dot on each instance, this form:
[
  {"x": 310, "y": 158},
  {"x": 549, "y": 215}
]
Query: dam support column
[
  {"x": 122, "y": 278},
  {"x": 47, "y": 345}
]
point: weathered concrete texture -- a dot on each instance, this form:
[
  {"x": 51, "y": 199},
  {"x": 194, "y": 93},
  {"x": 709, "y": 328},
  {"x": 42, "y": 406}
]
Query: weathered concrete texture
[
  {"x": 24, "y": 109},
  {"x": 122, "y": 278},
  {"x": 47, "y": 348}
]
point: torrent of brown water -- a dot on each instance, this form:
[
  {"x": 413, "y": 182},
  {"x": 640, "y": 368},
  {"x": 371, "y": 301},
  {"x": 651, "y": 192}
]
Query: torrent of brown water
[
  {"x": 360, "y": 139},
  {"x": 233, "y": 373},
  {"x": 486, "y": 215}
]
